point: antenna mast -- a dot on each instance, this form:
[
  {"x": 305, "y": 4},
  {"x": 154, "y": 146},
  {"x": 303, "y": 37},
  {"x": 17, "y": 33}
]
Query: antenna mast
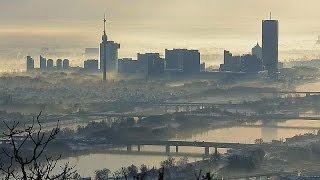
[{"x": 104, "y": 24}]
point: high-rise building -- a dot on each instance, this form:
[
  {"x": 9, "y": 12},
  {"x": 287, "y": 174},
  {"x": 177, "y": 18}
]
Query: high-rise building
[
  {"x": 257, "y": 51},
  {"x": 66, "y": 64},
  {"x": 30, "y": 63},
  {"x": 108, "y": 54},
  {"x": 150, "y": 64},
  {"x": 191, "y": 64},
  {"x": 59, "y": 64},
  {"x": 91, "y": 65},
  {"x": 251, "y": 63},
  {"x": 270, "y": 35},
  {"x": 231, "y": 63},
  {"x": 246, "y": 63},
  {"x": 43, "y": 63},
  {"x": 50, "y": 64},
  {"x": 174, "y": 59},
  {"x": 184, "y": 60},
  {"x": 127, "y": 66}
]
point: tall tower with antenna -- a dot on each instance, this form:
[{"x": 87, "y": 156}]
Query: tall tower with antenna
[
  {"x": 108, "y": 54},
  {"x": 270, "y": 15},
  {"x": 103, "y": 50}
]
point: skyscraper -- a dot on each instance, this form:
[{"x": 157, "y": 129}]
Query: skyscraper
[
  {"x": 108, "y": 54},
  {"x": 250, "y": 63},
  {"x": 184, "y": 60},
  {"x": 59, "y": 64},
  {"x": 270, "y": 35},
  {"x": 30, "y": 63},
  {"x": 91, "y": 65},
  {"x": 174, "y": 59},
  {"x": 50, "y": 64},
  {"x": 66, "y": 64},
  {"x": 127, "y": 66},
  {"x": 191, "y": 64},
  {"x": 43, "y": 63},
  {"x": 150, "y": 64}
]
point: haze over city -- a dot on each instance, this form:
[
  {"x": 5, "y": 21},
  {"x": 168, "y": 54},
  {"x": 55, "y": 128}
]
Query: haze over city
[
  {"x": 143, "y": 26},
  {"x": 159, "y": 89}
]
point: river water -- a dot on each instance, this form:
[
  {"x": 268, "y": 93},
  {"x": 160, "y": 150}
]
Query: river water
[{"x": 88, "y": 163}]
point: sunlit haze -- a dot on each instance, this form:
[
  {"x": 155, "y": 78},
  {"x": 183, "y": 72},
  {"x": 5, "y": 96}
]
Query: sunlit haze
[
  {"x": 69, "y": 26},
  {"x": 159, "y": 89}
]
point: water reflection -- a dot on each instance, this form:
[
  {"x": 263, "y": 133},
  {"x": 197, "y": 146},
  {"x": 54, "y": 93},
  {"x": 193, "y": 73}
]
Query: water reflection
[
  {"x": 268, "y": 134},
  {"x": 87, "y": 164}
]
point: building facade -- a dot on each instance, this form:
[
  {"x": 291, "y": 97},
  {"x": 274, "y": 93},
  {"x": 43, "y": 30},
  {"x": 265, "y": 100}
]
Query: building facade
[
  {"x": 50, "y": 64},
  {"x": 109, "y": 57},
  {"x": 43, "y": 63},
  {"x": 270, "y": 35},
  {"x": 231, "y": 63},
  {"x": 247, "y": 63},
  {"x": 127, "y": 66},
  {"x": 251, "y": 63},
  {"x": 187, "y": 61},
  {"x": 59, "y": 64},
  {"x": 91, "y": 65},
  {"x": 257, "y": 51},
  {"x": 150, "y": 64},
  {"x": 66, "y": 64},
  {"x": 30, "y": 63}
]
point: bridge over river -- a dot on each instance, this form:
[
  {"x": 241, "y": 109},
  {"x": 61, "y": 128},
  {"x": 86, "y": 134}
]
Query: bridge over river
[
  {"x": 176, "y": 144},
  {"x": 166, "y": 144}
]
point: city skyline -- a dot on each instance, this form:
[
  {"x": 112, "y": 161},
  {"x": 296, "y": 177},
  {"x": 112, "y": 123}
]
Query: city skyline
[
  {"x": 159, "y": 89},
  {"x": 27, "y": 31}
]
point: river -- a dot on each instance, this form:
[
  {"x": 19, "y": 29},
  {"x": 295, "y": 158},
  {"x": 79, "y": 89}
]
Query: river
[{"x": 87, "y": 164}]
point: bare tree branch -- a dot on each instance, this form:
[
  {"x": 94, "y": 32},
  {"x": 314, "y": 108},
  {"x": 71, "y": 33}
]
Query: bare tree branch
[{"x": 24, "y": 163}]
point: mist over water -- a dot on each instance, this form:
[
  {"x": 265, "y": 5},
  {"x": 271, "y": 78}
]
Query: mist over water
[{"x": 145, "y": 26}]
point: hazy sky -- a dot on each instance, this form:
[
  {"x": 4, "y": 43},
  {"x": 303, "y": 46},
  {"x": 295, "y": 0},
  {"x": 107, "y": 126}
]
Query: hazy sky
[{"x": 153, "y": 25}]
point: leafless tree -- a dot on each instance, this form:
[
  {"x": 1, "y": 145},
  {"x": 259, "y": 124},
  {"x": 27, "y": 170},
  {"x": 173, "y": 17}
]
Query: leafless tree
[
  {"x": 24, "y": 157},
  {"x": 208, "y": 176},
  {"x": 161, "y": 174},
  {"x": 198, "y": 175}
]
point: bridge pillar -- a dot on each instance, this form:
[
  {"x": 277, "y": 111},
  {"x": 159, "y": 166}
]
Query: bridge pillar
[
  {"x": 167, "y": 149},
  {"x": 216, "y": 151},
  {"x": 166, "y": 109},
  {"x": 139, "y": 148},
  {"x": 129, "y": 148},
  {"x": 206, "y": 151},
  {"x": 177, "y": 149}
]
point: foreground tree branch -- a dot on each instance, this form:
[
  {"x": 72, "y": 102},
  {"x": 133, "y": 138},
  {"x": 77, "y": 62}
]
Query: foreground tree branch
[{"x": 23, "y": 153}]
